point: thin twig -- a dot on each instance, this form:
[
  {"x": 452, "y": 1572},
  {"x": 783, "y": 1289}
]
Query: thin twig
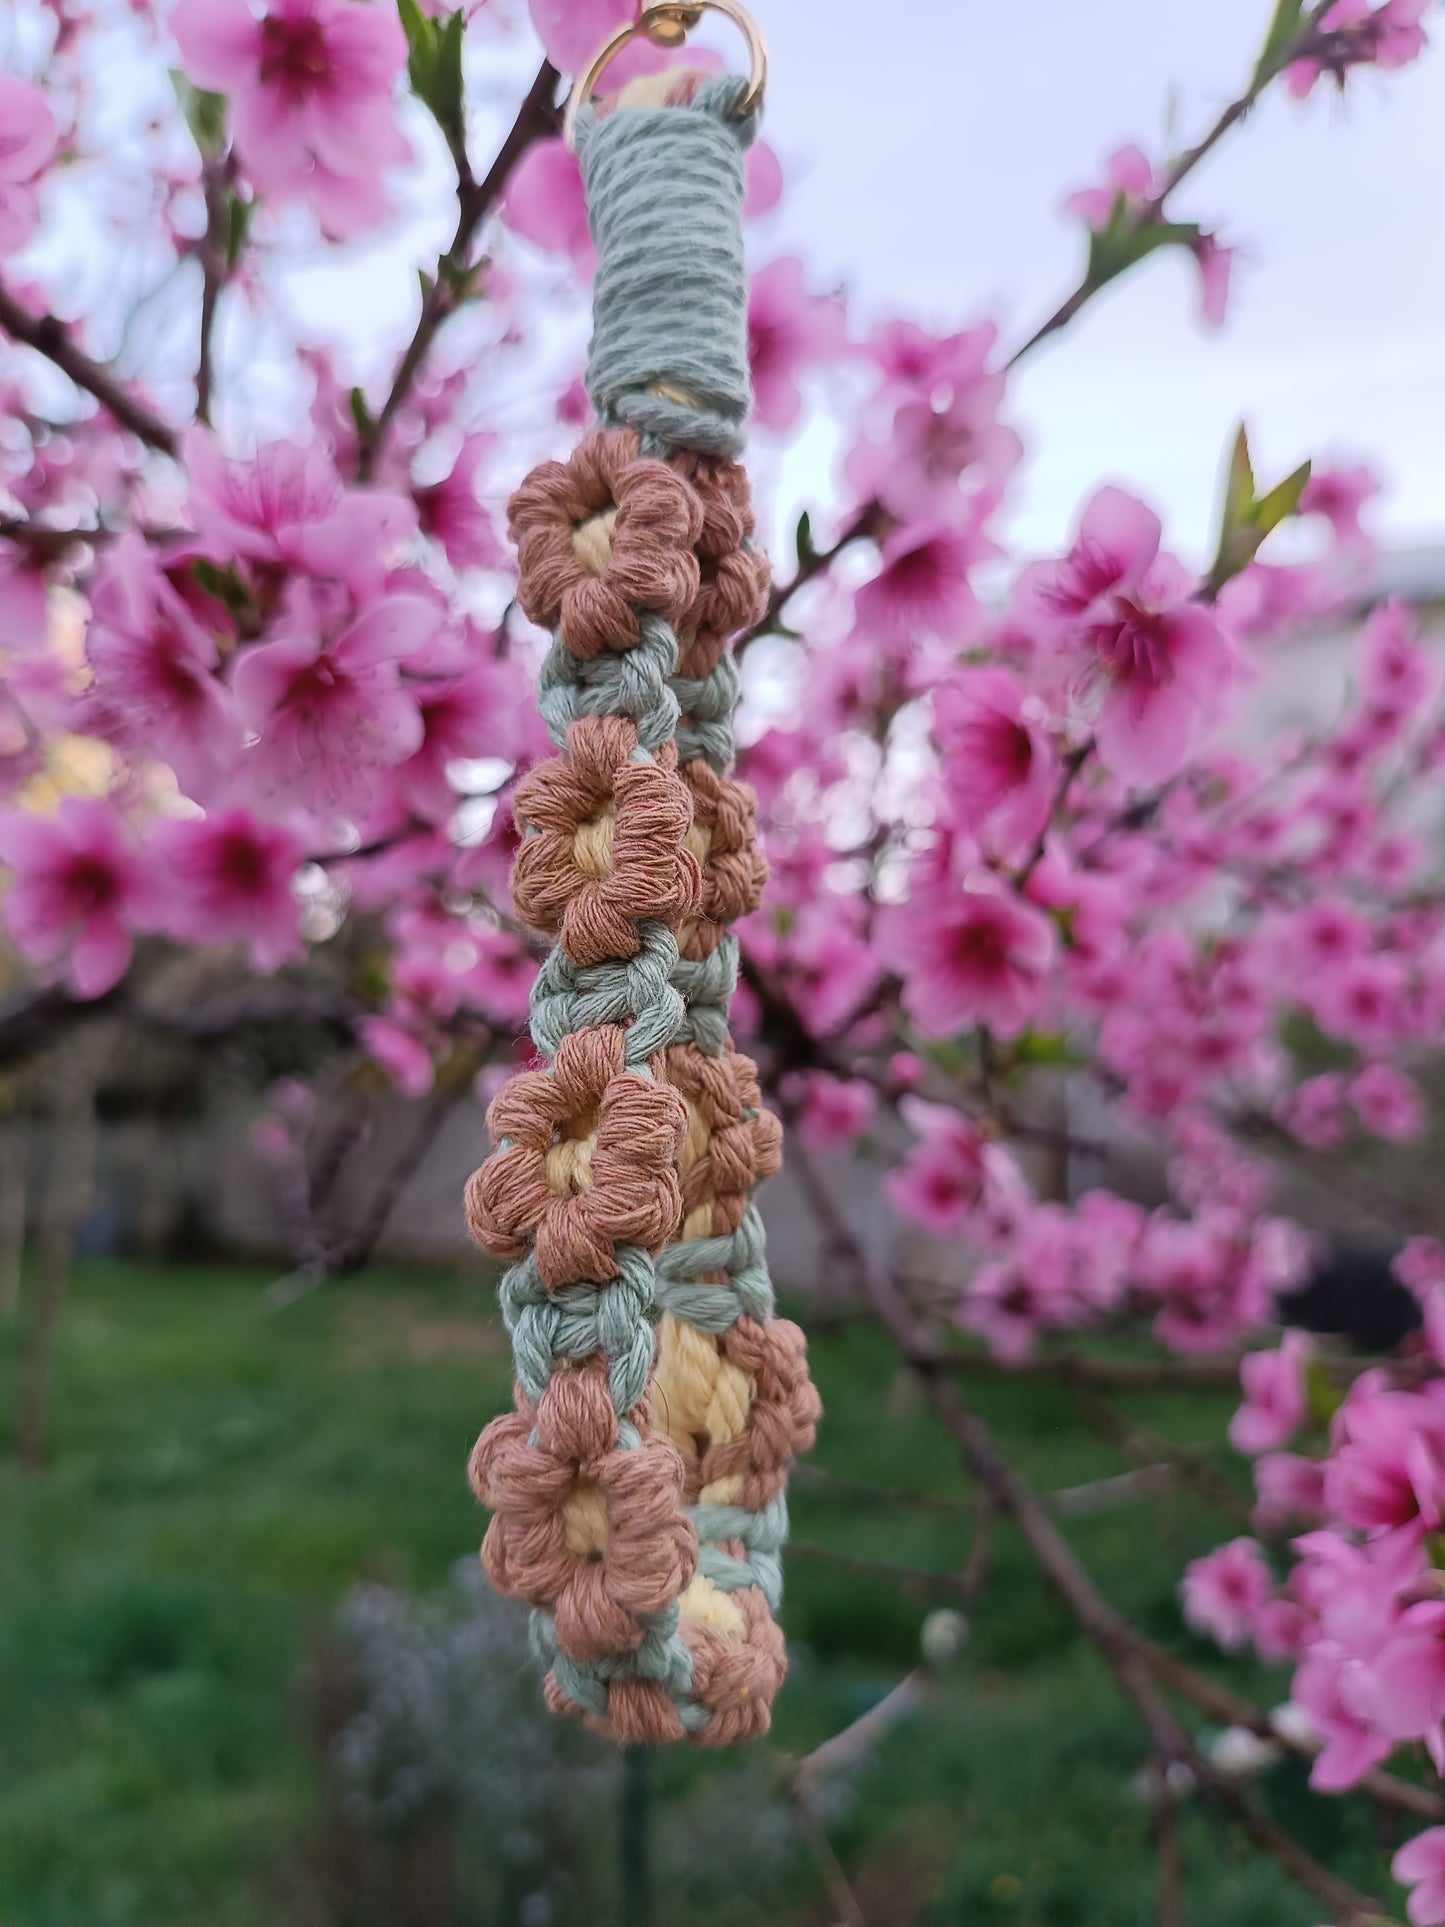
[
  {"x": 909, "y": 1578},
  {"x": 1150, "y": 212},
  {"x": 847, "y": 1912},
  {"x": 214, "y": 252},
  {"x": 1101, "y": 1623},
  {"x": 1105, "y": 1374},
  {"x": 30, "y": 1022},
  {"x": 49, "y": 336},
  {"x": 351, "y": 1253},
  {"x": 1171, "y": 1854},
  {"x": 856, "y": 1740},
  {"x": 447, "y": 288},
  {"x": 1144, "y": 1448},
  {"x": 866, "y": 525}
]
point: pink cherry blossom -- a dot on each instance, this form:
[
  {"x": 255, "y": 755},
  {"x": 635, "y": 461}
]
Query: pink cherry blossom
[
  {"x": 1348, "y": 1747},
  {"x": 81, "y": 889},
  {"x": 450, "y": 512},
  {"x": 1388, "y": 1103},
  {"x": 1128, "y": 171},
  {"x": 924, "y": 588},
  {"x": 1426, "y": 1281},
  {"x": 571, "y": 31},
  {"x": 1158, "y": 660},
  {"x": 942, "y": 1177},
  {"x": 830, "y": 967},
  {"x": 329, "y": 711},
  {"x": 1274, "y": 1395},
  {"x": 1290, "y": 1487},
  {"x": 232, "y": 877},
  {"x": 789, "y": 331},
  {"x": 1400, "y": 1690},
  {"x": 24, "y": 599},
  {"x": 1315, "y": 1112},
  {"x": 545, "y": 204},
  {"x": 1388, "y": 35},
  {"x": 941, "y": 454},
  {"x": 310, "y": 86},
  {"x": 1420, "y": 1864},
  {"x": 499, "y": 981},
  {"x": 285, "y": 507},
  {"x": 28, "y": 139},
  {"x": 976, "y": 956},
  {"x": 1224, "y": 1591},
  {"x": 833, "y": 1112},
  {"x": 156, "y": 667},
  {"x": 1339, "y": 494},
  {"x": 1387, "y": 1465},
  {"x": 401, "y": 1054},
  {"x": 1399, "y": 676},
  {"x": 999, "y": 764},
  {"x": 475, "y": 712},
  {"x": 1216, "y": 270}
]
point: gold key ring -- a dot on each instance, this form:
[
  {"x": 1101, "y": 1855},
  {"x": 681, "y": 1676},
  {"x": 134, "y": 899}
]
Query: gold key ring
[{"x": 667, "y": 23}]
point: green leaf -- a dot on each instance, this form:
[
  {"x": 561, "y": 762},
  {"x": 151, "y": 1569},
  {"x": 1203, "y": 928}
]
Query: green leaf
[
  {"x": 1247, "y": 518},
  {"x": 1124, "y": 241},
  {"x": 420, "y": 44},
  {"x": 434, "y": 67},
  {"x": 1039, "y": 1047},
  {"x": 449, "y": 102},
  {"x": 1322, "y": 1395},
  {"x": 238, "y": 226},
  {"x": 803, "y": 540},
  {"x": 224, "y": 584},
  {"x": 1282, "y": 500},
  {"x": 1282, "y": 30},
  {"x": 205, "y": 115},
  {"x": 361, "y": 414},
  {"x": 1238, "y": 483}
]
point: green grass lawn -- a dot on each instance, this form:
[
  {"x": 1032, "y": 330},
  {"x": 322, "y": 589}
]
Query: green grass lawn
[{"x": 221, "y": 1477}]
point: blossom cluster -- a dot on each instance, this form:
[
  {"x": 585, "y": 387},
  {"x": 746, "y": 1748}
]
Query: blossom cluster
[{"x": 258, "y": 689}]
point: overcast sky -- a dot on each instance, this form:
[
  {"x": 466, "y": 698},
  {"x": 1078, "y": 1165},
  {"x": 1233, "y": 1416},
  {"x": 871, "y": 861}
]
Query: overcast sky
[{"x": 928, "y": 145}]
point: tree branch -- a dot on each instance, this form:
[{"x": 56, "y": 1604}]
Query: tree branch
[
  {"x": 867, "y": 525},
  {"x": 214, "y": 251},
  {"x": 536, "y": 117},
  {"x": 349, "y": 1254},
  {"x": 30, "y": 1022},
  {"x": 1105, "y": 1628},
  {"x": 48, "y": 336},
  {"x": 1107, "y": 1374},
  {"x": 1150, "y": 212}
]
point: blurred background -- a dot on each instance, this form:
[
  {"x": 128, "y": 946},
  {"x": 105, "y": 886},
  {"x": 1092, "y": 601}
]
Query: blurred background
[{"x": 249, "y": 1671}]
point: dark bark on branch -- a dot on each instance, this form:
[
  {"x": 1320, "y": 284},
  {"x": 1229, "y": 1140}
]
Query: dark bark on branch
[
  {"x": 1105, "y": 1628},
  {"x": 49, "y": 336},
  {"x": 33, "y": 1021},
  {"x": 867, "y": 526}
]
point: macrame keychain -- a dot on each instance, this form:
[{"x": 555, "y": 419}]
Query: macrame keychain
[{"x": 638, "y": 1489}]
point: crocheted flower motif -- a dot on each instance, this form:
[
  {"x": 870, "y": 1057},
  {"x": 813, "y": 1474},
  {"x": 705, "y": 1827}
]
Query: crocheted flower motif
[
  {"x": 601, "y": 536},
  {"x": 739, "y": 1662},
  {"x": 586, "y": 1162},
  {"x": 732, "y": 1143},
  {"x": 752, "y": 1465},
  {"x": 723, "y": 837},
  {"x": 607, "y": 843},
  {"x": 734, "y": 577},
  {"x": 639, "y": 1712},
  {"x": 592, "y": 1531}
]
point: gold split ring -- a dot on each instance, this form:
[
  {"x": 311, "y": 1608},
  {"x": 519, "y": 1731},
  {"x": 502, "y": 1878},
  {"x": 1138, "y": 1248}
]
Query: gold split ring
[{"x": 667, "y": 23}]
